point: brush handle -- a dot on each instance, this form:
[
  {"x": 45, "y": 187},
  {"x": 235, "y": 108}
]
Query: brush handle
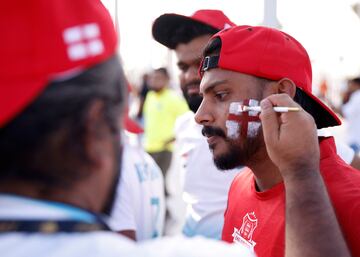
[{"x": 276, "y": 109}]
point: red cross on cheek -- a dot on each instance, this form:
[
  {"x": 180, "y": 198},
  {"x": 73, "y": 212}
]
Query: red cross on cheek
[{"x": 243, "y": 119}]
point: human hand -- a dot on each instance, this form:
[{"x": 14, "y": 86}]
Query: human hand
[{"x": 290, "y": 138}]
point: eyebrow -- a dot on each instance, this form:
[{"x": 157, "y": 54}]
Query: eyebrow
[
  {"x": 214, "y": 84},
  {"x": 189, "y": 63},
  {"x": 180, "y": 63}
]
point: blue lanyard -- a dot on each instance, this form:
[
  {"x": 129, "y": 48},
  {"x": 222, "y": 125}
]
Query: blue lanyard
[{"x": 51, "y": 226}]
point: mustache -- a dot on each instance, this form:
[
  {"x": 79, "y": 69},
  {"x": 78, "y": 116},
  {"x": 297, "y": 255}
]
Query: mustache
[{"x": 209, "y": 131}]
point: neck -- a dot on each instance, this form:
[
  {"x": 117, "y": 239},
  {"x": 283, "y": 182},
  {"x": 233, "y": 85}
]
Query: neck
[
  {"x": 65, "y": 195},
  {"x": 159, "y": 91},
  {"x": 266, "y": 173}
]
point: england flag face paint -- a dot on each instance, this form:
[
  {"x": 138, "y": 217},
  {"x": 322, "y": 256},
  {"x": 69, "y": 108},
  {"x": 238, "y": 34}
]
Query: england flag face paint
[{"x": 242, "y": 123}]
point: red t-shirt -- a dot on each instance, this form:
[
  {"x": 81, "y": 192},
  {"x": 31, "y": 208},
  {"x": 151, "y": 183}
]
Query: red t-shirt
[{"x": 257, "y": 219}]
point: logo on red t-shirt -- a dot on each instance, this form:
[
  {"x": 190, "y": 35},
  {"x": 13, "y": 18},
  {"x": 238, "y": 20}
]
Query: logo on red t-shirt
[{"x": 245, "y": 233}]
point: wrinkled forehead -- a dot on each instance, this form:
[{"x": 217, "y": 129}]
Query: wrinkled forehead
[
  {"x": 207, "y": 79},
  {"x": 235, "y": 80}
]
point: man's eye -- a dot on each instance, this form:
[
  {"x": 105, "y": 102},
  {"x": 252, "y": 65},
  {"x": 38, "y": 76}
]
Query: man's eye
[
  {"x": 220, "y": 95},
  {"x": 183, "y": 68}
]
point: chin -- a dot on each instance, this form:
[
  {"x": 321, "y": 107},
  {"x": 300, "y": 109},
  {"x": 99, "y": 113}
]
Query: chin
[
  {"x": 231, "y": 157},
  {"x": 223, "y": 163},
  {"x": 217, "y": 149},
  {"x": 224, "y": 160}
]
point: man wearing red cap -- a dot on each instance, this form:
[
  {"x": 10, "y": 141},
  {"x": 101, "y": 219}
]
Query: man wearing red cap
[
  {"x": 242, "y": 66},
  {"x": 61, "y": 97},
  {"x": 205, "y": 187}
]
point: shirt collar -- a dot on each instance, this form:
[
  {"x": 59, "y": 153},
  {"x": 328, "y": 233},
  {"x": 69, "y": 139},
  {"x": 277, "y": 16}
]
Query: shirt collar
[
  {"x": 327, "y": 147},
  {"x": 20, "y": 207}
]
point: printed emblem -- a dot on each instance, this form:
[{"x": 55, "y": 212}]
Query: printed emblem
[
  {"x": 245, "y": 233},
  {"x": 83, "y": 41}
]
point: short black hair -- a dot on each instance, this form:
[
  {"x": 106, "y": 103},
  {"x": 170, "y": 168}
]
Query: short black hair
[
  {"x": 213, "y": 47},
  {"x": 35, "y": 145},
  {"x": 355, "y": 81},
  {"x": 186, "y": 32}
]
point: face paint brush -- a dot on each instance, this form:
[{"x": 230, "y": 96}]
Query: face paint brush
[
  {"x": 238, "y": 108},
  {"x": 240, "y": 123}
]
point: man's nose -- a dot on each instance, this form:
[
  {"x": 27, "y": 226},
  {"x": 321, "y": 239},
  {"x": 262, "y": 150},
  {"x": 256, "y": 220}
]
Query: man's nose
[
  {"x": 203, "y": 116},
  {"x": 192, "y": 73}
]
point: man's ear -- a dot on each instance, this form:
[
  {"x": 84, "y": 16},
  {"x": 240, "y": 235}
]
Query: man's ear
[
  {"x": 286, "y": 86},
  {"x": 96, "y": 132}
]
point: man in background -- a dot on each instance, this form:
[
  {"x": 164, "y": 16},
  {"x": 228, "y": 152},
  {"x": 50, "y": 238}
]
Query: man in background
[
  {"x": 161, "y": 108},
  {"x": 351, "y": 112},
  {"x": 205, "y": 187},
  {"x": 144, "y": 89}
]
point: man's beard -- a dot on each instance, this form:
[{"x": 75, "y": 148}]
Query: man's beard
[
  {"x": 239, "y": 151},
  {"x": 193, "y": 100},
  {"x": 110, "y": 200}
]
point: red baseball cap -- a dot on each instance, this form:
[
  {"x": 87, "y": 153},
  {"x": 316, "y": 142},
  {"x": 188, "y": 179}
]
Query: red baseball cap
[
  {"x": 129, "y": 124},
  {"x": 132, "y": 126},
  {"x": 271, "y": 54},
  {"x": 165, "y": 26},
  {"x": 46, "y": 40}
]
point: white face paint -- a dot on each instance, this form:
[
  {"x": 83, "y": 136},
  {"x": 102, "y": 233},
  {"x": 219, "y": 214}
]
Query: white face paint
[
  {"x": 253, "y": 129},
  {"x": 233, "y": 129},
  {"x": 238, "y": 121}
]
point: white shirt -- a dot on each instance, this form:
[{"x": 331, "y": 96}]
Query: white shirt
[
  {"x": 139, "y": 203},
  {"x": 205, "y": 187},
  {"x": 342, "y": 149},
  {"x": 99, "y": 244},
  {"x": 351, "y": 111}
]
